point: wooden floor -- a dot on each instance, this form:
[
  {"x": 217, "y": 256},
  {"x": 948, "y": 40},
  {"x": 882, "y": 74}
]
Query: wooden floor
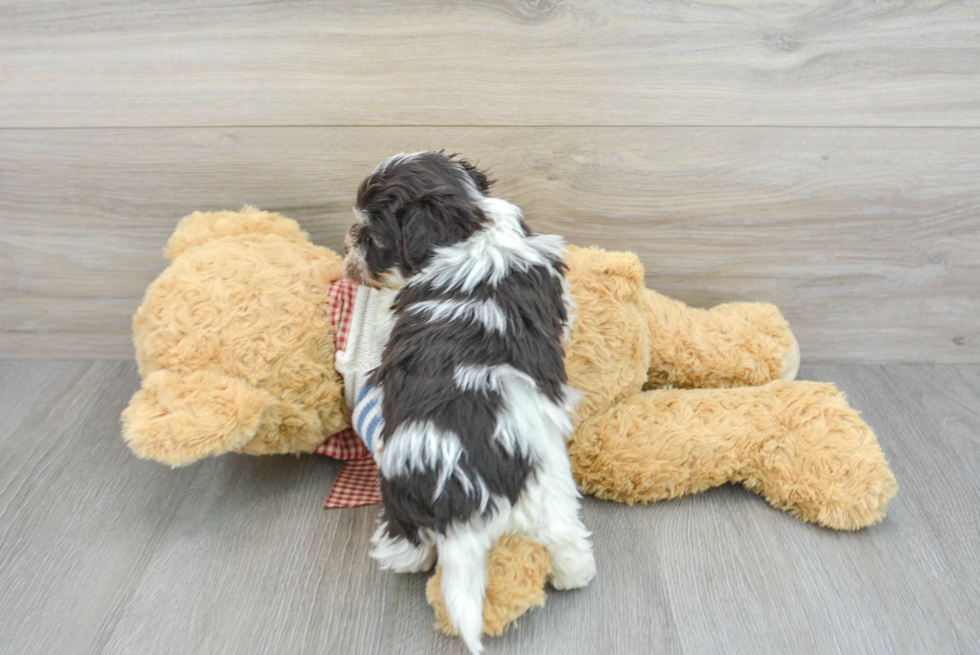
[{"x": 104, "y": 553}]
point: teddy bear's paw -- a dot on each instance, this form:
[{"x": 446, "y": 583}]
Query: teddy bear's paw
[
  {"x": 575, "y": 574},
  {"x": 791, "y": 361},
  {"x": 178, "y": 418},
  {"x": 863, "y": 504}
]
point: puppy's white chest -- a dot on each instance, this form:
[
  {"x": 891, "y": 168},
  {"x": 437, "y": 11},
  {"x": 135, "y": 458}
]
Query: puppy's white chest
[{"x": 371, "y": 321}]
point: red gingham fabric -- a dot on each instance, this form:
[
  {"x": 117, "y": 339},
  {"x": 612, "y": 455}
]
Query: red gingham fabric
[
  {"x": 357, "y": 483},
  {"x": 341, "y": 294},
  {"x": 344, "y": 445}
]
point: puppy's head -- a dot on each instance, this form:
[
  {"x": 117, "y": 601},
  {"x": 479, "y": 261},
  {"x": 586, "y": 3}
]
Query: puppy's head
[{"x": 406, "y": 209}]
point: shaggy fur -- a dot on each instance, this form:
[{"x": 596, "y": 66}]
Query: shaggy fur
[
  {"x": 798, "y": 444},
  {"x": 517, "y": 570},
  {"x": 472, "y": 380}
]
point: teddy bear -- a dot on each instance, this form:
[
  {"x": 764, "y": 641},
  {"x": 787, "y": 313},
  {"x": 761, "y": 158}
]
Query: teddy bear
[{"x": 236, "y": 344}]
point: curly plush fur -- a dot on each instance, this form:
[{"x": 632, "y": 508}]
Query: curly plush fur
[
  {"x": 234, "y": 345},
  {"x": 236, "y": 352},
  {"x": 798, "y": 444},
  {"x": 517, "y": 570}
]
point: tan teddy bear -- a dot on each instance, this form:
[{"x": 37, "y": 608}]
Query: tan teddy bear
[
  {"x": 236, "y": 350},
  {"x": 234, "y": 343}
]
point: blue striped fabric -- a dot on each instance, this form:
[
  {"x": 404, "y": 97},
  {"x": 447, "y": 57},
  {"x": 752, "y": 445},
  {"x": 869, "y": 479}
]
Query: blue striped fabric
[{"x": 367, "y": 417}]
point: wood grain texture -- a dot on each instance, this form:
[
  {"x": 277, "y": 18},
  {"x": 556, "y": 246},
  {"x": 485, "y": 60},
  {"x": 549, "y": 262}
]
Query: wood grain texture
[
  {"x": 24, "y": 384},
  {"x": 79, "y": 515},
  {"x": 868, "y": 240},
  {"x": 103, "y": 553},
  {"x": 531, "y": 62}
]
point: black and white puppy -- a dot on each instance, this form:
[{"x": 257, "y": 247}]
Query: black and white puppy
[{"x": 472, "y": 382}]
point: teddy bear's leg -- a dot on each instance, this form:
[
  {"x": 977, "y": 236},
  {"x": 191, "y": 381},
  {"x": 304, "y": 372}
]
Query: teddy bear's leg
[
  {"x": 798, "y": 444},
  {"x": 731, "y": 345}
]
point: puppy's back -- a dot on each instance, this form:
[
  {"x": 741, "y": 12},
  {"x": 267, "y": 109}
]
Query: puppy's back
[{"x": 471, "y": 376}]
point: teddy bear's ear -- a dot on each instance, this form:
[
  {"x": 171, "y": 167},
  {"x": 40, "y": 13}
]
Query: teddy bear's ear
[
  {"x": 178, "y": 419},
  {"x": 201, "y": 227}
]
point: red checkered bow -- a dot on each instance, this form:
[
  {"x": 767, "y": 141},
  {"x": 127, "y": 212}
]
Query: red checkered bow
[
  {"x": 341, "y": 294},
  {"x": 357, "y": 482}
]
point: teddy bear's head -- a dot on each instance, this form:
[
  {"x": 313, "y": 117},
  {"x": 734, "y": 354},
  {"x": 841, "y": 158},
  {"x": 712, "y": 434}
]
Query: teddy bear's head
[{"x": 234, "y": 343}]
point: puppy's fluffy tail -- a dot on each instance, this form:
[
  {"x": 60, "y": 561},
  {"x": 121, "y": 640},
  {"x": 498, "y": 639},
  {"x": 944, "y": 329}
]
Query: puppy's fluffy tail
[{"x": 463, "y": 556}]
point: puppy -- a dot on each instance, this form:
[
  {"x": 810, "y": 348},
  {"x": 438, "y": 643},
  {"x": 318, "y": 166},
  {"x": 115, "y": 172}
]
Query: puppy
[{"x": 471, "y": 385}]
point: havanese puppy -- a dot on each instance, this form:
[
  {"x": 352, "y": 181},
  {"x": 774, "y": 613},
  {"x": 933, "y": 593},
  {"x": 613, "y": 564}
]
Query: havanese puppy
[{"x": 470, "y": 402}]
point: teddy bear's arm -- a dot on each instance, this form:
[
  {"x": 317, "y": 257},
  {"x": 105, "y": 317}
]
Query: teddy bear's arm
[
  {"x": 178, "y": 418},
  {"x": 730, "y": 345}
]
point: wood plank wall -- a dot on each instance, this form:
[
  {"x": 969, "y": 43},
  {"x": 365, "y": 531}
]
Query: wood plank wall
[{"x": 824, "y": 156}]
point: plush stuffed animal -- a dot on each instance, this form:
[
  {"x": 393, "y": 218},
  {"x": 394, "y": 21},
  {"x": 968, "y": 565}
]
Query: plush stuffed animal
[{"x": 235, "y": 346}]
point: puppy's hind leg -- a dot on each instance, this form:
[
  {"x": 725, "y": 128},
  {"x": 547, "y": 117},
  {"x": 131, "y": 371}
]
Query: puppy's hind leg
[
  {"x": 572, "y": 561},
  {"x": 561, "y": 531},
  {"x": 463, "y": 557},
  {"x": 399, "y": 554}
]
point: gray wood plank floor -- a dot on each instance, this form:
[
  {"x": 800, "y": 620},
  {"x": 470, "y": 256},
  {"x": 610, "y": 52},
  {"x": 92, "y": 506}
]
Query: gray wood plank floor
[{"x": 104, "y": 553}]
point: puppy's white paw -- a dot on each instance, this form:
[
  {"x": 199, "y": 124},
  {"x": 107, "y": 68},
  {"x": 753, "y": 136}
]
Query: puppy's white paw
[
  {"x": 421, "y": 560},
  {"x": 401, "y": 555},
  {"x": 578, "y": 575},
  {"x": 405, "y": 558}
]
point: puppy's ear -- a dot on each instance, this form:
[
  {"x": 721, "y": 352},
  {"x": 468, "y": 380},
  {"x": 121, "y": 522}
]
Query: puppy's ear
[
  {"x": 431, "y": 223},
  {"x": 420, "y": 235},
  {"x": 480, "y": 177}
]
